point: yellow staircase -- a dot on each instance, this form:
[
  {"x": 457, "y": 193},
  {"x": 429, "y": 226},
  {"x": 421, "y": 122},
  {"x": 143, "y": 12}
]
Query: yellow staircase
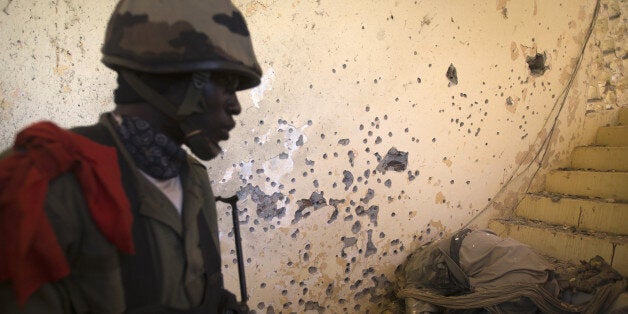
[{"x": 583, "y": 211}]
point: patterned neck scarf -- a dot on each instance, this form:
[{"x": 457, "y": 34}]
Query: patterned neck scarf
[{"x": 153, "y": 152}]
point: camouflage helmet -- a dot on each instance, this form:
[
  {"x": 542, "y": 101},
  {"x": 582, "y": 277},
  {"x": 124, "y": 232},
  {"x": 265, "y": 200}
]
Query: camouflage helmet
[{"x": 181, "y": 36}]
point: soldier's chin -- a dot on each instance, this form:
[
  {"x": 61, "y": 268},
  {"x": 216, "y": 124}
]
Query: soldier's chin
[{"x": 204, "y": 148}]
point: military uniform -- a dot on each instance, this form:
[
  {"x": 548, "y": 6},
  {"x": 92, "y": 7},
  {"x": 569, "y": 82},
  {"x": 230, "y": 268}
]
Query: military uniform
[{"x": 96, "y": 282}]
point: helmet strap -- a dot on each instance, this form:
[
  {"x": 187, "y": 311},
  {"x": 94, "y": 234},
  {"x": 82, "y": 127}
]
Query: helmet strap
[
  {"x": 192, "y": 102},
  {"x": 150, "y": 95}
]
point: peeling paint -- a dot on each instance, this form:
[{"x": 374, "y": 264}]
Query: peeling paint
[{"x": 257, "y": 93}]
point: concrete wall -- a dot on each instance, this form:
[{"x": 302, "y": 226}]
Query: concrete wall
[{"x": 360, "y": 144}]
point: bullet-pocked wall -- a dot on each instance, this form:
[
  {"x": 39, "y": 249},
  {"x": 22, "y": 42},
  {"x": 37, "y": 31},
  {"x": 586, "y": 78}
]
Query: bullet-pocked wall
[{"x": 378, "y": 126}]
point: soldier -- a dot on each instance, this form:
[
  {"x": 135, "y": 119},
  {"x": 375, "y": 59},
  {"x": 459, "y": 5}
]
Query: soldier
[{"x": 116, "y": 217}]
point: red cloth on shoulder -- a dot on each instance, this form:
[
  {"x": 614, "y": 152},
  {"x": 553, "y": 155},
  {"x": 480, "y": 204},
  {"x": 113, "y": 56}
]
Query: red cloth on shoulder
[{"x": 30, "y": 253}]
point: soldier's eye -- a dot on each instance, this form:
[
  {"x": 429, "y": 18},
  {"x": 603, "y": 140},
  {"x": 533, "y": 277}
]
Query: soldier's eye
[{"x": 229, "y": 82}]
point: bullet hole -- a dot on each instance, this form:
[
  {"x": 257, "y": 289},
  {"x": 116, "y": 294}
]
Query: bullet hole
[
  {"x": 300, "y": 141},
  {"x": 370, "y": 247},
  {"x": 262, "y": 285},
  {"x": 388, "y": 183},
  {"x": 312, "y": 306},
  {"x": 452, "y": 75},
  {"x": 394, "y": 160},
  {"x": 266, "y": 204},
  {"x": 351, "y": 157},
  {"x": 330, "y": 289},
  {"x": 348, "y": 179},
  {"x": 344, "y": 141},
  {"x": 367, "y": 109},
  {"x": 333, "y": 70},
  {"x": 378, "y": 140},
  {"x": 333, "y": 217},
  {"x": 347, "y": 242},
  {"x": 372, "y": 213},
  {"x": 418, "y": 80},
  {"x": 367, "y": 173},
  {"x": 315, "y": 183},
  {"x": 316, "y": 200},
  {"x": 335, "y": 154},
  {"x": 356, "y": 284},
  {"x": 537, "y": 64},
  {"x": 451, "y": 182},
  {"x": 312, "y": 269},
  {"x": 509, "y": 101},
  {"x": 434, "y": 140},
  {"x": 322, "y": 136},
  {"x": 356, "y": 227},
  {"x": 411, "y": 176},
  {"x": 261, "y": 305},
  {"x": 390, "y": 134},
  {"x": 368, "y": 197}
]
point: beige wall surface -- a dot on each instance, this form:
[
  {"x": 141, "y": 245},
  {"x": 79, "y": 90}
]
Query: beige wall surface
[{"x": 359, "y": 145}]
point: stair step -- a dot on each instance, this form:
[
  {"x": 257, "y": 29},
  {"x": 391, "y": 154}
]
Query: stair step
[
  {"x": 623, "y": 116},
  {"x": 612, "y": 136},
  {"x": 600, "y": 158},
  {"x": 595, "y": 184},
  {"x": 565, "y": 244},
  {"x": 582, "y": 214}
]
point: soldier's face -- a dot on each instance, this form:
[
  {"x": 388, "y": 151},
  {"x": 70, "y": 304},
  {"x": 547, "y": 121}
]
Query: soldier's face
[{"x": 214, "y": 124}]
